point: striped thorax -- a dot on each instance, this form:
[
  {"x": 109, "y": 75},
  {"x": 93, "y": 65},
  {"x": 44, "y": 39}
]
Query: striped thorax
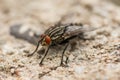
[{"x": 58, "y": 34}]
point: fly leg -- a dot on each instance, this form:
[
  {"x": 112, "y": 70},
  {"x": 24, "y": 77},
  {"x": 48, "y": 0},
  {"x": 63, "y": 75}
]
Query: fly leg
[
  {"x": 66, "y": 61},
  {"x": 35, "y": 49},
  {"x": 44, "y": 55},
  {"x": 62, "y": 64}
]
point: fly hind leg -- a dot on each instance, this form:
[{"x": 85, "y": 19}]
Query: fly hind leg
[{"x": 62, "y": 64}]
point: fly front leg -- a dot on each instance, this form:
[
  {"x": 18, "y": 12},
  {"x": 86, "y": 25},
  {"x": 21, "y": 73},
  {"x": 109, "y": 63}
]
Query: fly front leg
[
  {"x": 35, "y": 49},
  {"x": 62, "y": 64},
  {"x": 44, "y": 55}
]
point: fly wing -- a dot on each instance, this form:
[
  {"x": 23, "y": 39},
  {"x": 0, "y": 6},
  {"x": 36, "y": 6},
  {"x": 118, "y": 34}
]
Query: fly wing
[{"x": 76, "y": 30}]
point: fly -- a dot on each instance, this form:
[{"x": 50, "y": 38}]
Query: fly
[{"x": 58, "y": 34}]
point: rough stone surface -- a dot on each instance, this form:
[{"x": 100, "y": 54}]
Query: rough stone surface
[{"x": 97, "y": 59}]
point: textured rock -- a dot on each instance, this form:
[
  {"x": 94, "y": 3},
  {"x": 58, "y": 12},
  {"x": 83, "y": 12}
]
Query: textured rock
[{"x": 94, "y": 59}]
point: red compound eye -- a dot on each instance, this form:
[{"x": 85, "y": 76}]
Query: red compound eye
[{"x": 47, "y": 39}]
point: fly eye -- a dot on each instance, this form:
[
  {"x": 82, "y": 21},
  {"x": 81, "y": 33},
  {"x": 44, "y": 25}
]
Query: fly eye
[{"x": 47, "y": 39}]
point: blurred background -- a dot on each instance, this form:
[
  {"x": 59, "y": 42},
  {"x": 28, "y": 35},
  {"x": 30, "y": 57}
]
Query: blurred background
[
  {"x": 103, "y": 61},
  {"x": 50, "y": 11}
]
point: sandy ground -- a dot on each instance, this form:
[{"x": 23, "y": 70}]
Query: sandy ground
[{"x": 97, "y": 59}]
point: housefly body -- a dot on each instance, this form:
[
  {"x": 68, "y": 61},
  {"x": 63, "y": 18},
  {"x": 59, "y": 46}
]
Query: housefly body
[{"x": 59, "y": 34}]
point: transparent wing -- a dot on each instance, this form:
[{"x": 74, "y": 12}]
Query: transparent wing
[{"x": 76, "y": 30}]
